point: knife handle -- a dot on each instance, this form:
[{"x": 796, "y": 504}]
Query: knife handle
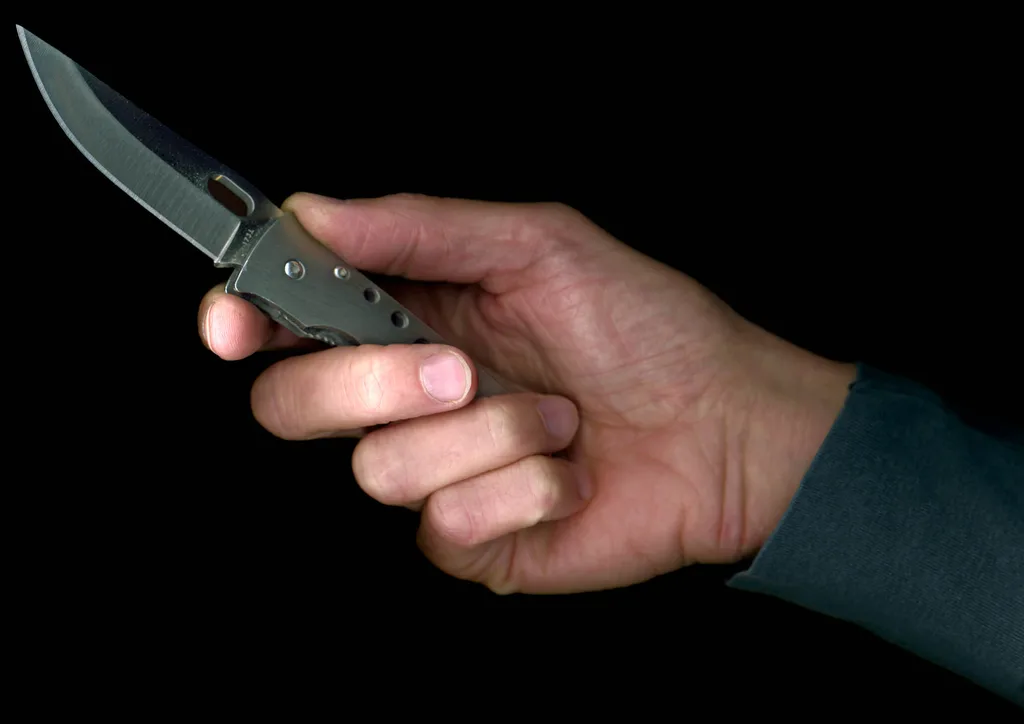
[{"x": 304, "y": 286}]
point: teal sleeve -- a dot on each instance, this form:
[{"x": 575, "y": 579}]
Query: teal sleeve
[{"x": 910, "y": 523}]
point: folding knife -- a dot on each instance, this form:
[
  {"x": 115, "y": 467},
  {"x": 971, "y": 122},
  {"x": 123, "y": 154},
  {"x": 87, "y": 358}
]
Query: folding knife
[{"x": 276, "y": 265}]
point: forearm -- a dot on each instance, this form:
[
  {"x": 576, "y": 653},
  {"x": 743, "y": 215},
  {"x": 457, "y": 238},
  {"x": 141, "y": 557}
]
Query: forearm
[{"x": 911, "y": 524}]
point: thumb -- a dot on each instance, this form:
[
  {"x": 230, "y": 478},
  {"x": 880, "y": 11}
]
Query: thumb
[{"x": 431, "y": 239}]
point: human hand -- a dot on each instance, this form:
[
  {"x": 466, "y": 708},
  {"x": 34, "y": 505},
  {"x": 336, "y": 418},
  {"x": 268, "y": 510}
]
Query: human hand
[{"x": 685, "y": 429}]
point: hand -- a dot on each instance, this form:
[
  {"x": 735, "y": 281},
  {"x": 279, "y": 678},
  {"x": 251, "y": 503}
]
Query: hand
[{"x": 685, "y": 429}]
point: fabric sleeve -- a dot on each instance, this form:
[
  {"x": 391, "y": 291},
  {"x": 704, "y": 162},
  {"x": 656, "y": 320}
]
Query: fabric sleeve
[{"x": 910, "y": 523}]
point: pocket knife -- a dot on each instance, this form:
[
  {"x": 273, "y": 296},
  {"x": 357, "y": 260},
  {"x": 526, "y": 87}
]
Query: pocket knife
[{"x": 276, "y": 264}]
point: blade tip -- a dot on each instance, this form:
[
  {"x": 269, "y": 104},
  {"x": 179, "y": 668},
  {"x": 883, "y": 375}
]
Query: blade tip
[{"x": 24, "y": 36}]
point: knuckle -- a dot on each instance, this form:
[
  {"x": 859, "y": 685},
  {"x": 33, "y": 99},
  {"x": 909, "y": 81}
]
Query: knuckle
[
  {"x": 501, "y": 583},
  {"x": 451, "y": 519},
  {"x": 364, "y": 467},
  {"x": 553, "y": 225},
  {"x": 562, "y": 216},
  {"x": 508, "y": 428},
  {"x": 557, "y": 209},
  {"x": 269, "y": 401},
  {"x": 384, "y": 477},
  {"x": 543, "y": 485},
  {"x": 364, "y": 377},
  {"x": 407, "y": 197}
]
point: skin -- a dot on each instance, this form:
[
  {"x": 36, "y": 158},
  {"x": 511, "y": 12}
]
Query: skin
[{"x": 682, "y": 431}]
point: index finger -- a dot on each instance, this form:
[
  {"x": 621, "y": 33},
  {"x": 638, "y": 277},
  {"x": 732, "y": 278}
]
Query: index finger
[{"x": 318, "y": 394}]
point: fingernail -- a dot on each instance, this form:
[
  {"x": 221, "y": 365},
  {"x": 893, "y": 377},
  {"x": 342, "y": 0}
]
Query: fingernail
[
  {"x": 584, "y": 486},
  {"x": 304, "y": 199},
  {"x": 559, "y": 415},
  {"x": 445, "y": 377}
]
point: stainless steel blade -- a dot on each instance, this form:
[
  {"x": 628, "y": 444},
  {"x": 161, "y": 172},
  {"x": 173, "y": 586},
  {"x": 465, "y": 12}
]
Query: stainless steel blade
[{"x": 159, "y": 169}]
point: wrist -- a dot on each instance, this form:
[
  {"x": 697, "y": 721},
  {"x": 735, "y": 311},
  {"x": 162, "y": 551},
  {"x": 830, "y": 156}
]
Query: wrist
[{"x": 795, "y": 399}]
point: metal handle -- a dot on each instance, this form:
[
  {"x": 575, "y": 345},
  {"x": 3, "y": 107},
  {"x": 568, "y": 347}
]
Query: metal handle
[{"x": 305, "y": 287}]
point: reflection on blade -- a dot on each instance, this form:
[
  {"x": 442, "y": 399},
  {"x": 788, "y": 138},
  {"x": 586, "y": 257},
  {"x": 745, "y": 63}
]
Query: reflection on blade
[{"x": 159, "y": 169}]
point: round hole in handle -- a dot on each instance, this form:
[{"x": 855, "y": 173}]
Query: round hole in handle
[
  {"x": 371, "y": 295},
  {"x": 399, "y": 320}
]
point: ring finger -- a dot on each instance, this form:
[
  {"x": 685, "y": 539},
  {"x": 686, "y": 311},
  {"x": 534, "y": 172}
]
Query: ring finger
[{"x": 487, "y": 507}]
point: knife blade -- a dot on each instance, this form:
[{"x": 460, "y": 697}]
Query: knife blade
[{"x": 276, "y": 264}]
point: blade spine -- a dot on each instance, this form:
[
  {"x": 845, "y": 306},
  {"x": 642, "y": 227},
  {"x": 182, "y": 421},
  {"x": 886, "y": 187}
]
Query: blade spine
[{"x": 96, "y": 164}]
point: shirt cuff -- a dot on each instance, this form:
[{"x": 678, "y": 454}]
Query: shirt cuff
[{"x": 910, "y": 524}]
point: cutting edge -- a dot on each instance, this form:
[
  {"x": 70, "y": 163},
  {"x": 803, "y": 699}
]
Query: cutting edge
[{"x": 23, "y": 36}]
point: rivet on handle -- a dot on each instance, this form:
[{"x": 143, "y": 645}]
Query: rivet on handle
[{"x": 294, "y": 269}]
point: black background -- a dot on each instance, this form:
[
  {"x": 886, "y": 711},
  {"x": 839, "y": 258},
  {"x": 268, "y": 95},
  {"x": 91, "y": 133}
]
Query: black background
[{"x": 843, "y": 187}]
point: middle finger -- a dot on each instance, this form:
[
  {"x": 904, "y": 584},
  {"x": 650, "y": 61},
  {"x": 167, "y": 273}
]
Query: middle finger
[{"x": 405, "y": 463}]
